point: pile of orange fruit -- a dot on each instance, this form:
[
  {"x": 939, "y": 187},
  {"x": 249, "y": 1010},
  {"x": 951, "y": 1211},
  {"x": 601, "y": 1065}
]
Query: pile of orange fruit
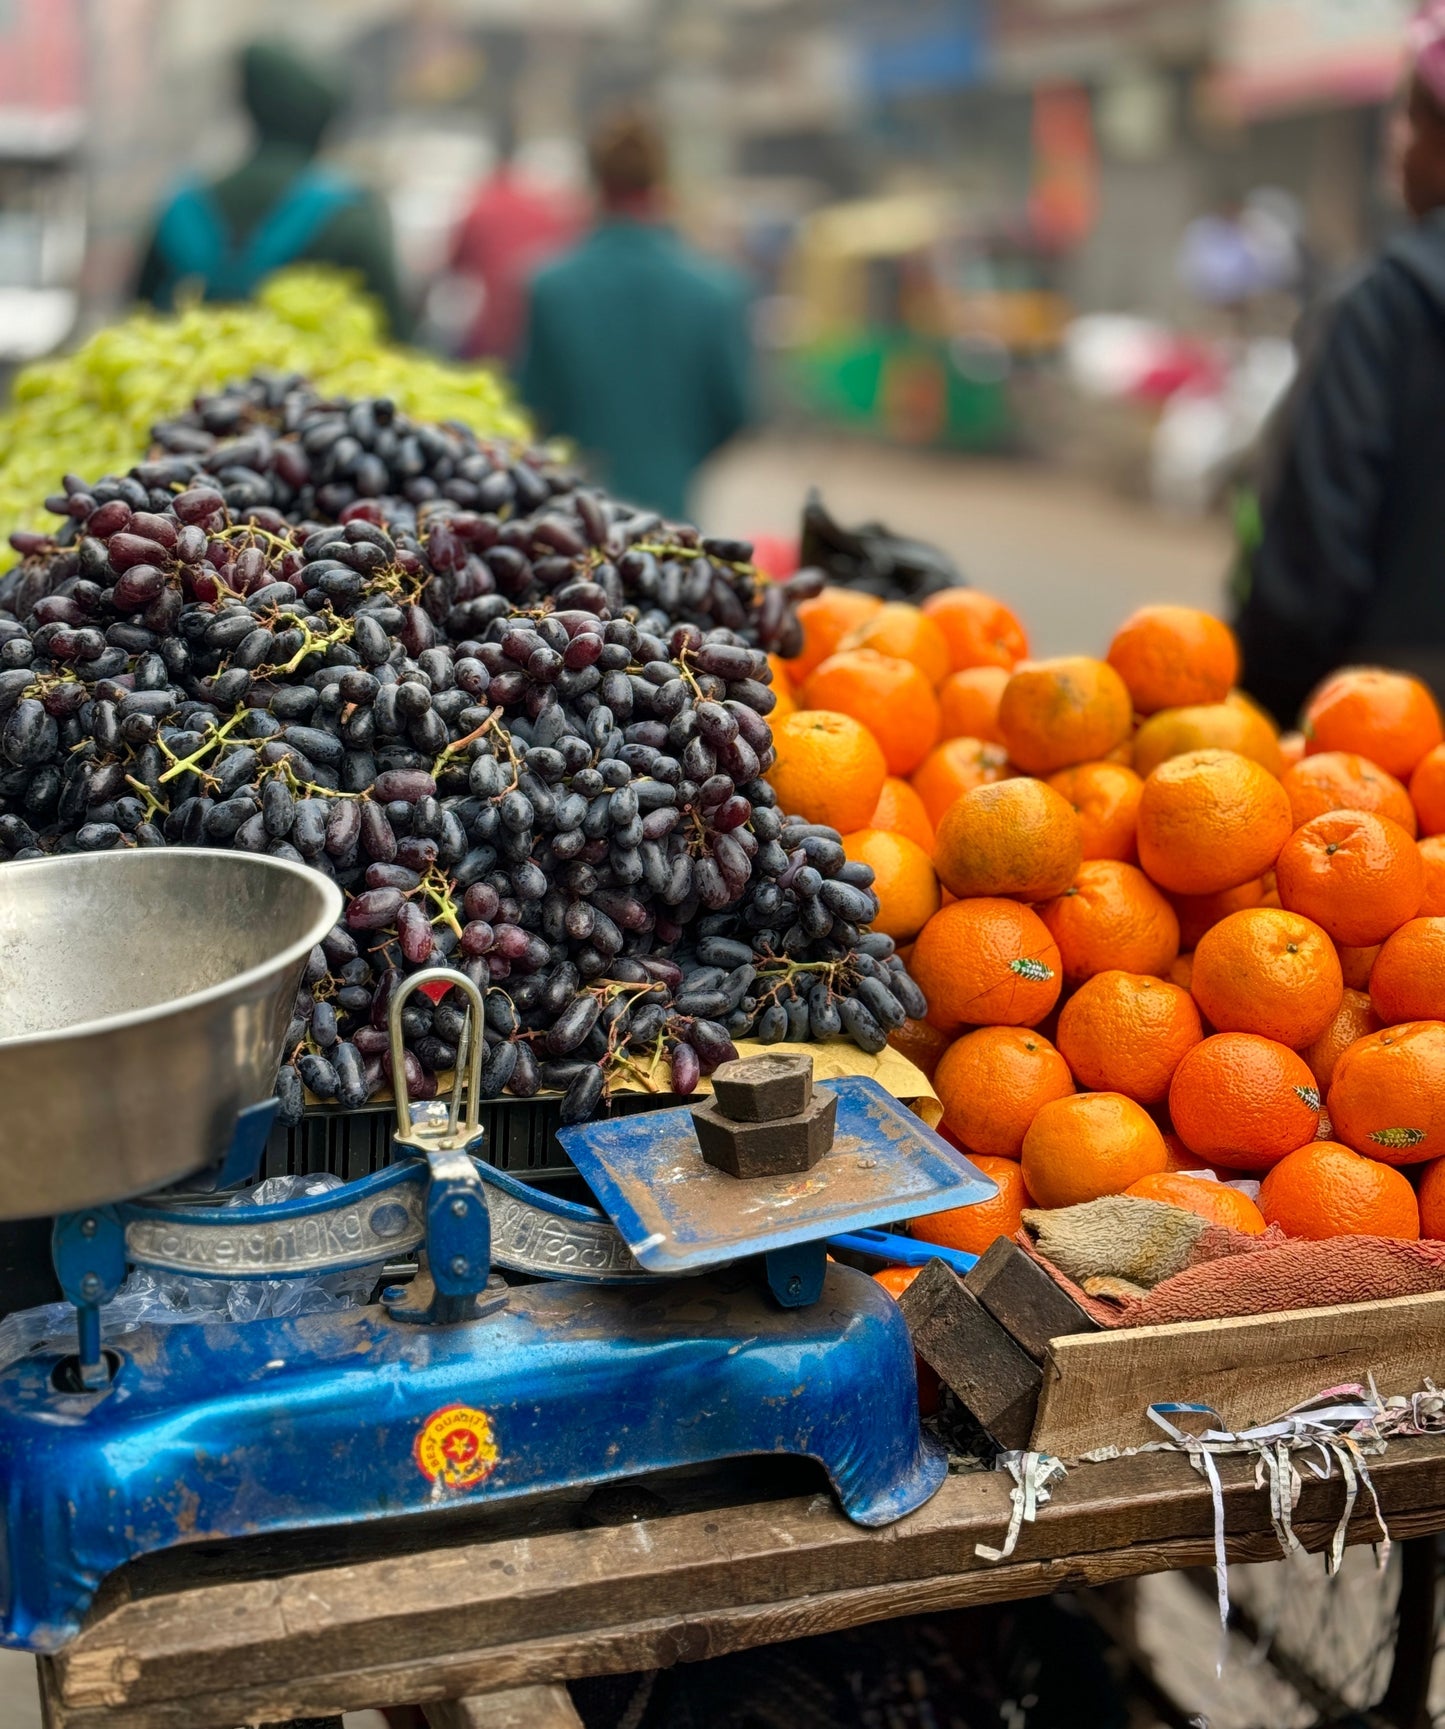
[{"x": 1167, "y": 951}]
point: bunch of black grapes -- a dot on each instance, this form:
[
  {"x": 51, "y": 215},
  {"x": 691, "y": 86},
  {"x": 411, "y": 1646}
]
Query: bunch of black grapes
[{"x": 523, "y": 726}]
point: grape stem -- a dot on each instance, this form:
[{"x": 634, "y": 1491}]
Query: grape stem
[
  {"x": 216, "y": 737},
  {"x": 152, "y": 803}
]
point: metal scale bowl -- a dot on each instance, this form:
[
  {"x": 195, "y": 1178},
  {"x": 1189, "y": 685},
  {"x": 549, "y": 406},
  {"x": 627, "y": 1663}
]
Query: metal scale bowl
[{"x": 696, "y": 1318}]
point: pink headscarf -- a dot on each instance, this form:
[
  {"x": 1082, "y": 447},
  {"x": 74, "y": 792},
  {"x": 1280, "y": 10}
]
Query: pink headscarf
[{"x": 1426, "y": 43}]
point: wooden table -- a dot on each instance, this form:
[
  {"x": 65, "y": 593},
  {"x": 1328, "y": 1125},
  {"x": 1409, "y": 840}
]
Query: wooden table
[{"x": 471, "y": 1606}]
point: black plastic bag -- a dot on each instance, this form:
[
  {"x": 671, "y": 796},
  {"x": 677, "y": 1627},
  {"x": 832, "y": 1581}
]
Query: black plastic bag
[{"x": 874, "y": 559}]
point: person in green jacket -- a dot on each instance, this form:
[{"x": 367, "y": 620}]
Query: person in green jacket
[
  {"x": 279, "y": 207},
  {"x": 637, "y": 346}
]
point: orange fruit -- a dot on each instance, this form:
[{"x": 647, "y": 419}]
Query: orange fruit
[
  {"x": 1407, "y": 981},
  {"x": 896, "y": 1280},
  {"x": 1199, "y": 913},
  {"x": 1105, "y": 797},
  {"x": 1173, "y": 656},
  {"x": 955, "y": 767},
  {"x": 1243, "y": 1102},
  {"x": 1357, "y": 875},
  {"x": 1432, "y": 858},
  {"x": 1291, "y": 747},
  {"x": 1089, "y": 1145},
  {"x": 1427, "y": 790},
  {"x": 1016, "y": 837},
  {"x": 922, "y": 1044},
  {"x": 968, "y": 703},
  {"x": 1328, "y": 1190},
  {"x": 972, "y": 1229},
  {"x": 1054, "y": 713},
  {"x": 1431, "y": 1197},
  {"x": 1180, "y": 1157},
  {"x": 1181, "y": 970},
  {"x": 1214, "y": 726},
  {"x": 1126, "y": 1033},
  {"x": 987, "y": 963},
  {"x": 783, "y": 691},
  {"x": 992, "y": 1084},
  {"x": 1356, "y": 966},
  {"x": 900, "y": 811},
  {"x": 891, "y": 697},
  {"x": 829, "y": 769},
  {"x": 1111, "y": 915},
  {"x": 826, "y": 620},
  {"x": 1388, "y": 717},
  {"x": 1340, "y": 780},
  {"x": 1210, "y": 820},
  {"x": 1387, "y": 1097},
  {"x": 1353, "y": 1019},
  {"x": 903, "y": 880},
  {"x": 1269, "y": 972},
  {"x": 902, "y": 630},
  {"x": 979, "y": 630},
  {"x": 1216, "y": 1202}
]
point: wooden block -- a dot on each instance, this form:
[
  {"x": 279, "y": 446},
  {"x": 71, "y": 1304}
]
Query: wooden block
[
  {"x": 1024, "y": 1300},
  {"x": 963, "y": 1344},
  {"x": 783, "y": 1147},
  {"x": 762, "y": 1089},
  {"x": 1097, "y": 1389},
  {"x": 518, "y": 1708}
]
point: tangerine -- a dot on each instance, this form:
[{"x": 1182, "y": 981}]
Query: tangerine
[
  {"x": 1431, "y": 1197},
  {"x": 1427, "y": 790},
  {"x": 902, "y": 630},
  {"x": 1387, "y": 1097},
  {"x": 1105, "y": 797},
  {"x": 992, "y": 1083},
  {"x": 1213, "y": 726},
  {"x": 1432, "y": 857},
  {"x": 1386, "y": 716},
  {"x": 1357, "y": 875},
  {"x": 986, "y": 963},
  {"x": 891, "y": 697},
  {"x": 1354, "y": 1018},
  {"x": 1356, "y": 966},
  {"x": 1055, "y": 713},
  {"x": 1327, "y": 1190},
  {"x": 784, "y": 693},
  {"x": 829, "y": 769},
  {"x": 1216, "y": 1202},
  {"x": 979, "y": 630},
  {"x": 974, "y": 1228},
  {"x": 1173, "y": 656},
  {"x": 1126, "y": 1033},
  {"x": 1112, "y": 916},
  {"x": 968, "y": 703},
  {"x": 900, "y": 811},
  {"x": 1269, "y": 972},
  {"x": 955, "y": 767},
  {"x": 1089, "y": 1145},
  {"x": 1181, "y": 970},
  {"x": 1016, "y": 837},
  {"x": 826, "y": 620},
  {"x": 896, "y": 1280},
  {"x": 1200, "y": 913},
  {"x": 1210, "y": 820},
  {"x": 903, "y": 880},
  {"x": 922, "y": 1044},
  {"x": 1407, "y": 981},
  {"x": 1242, "y": 1101},
  {"x": 1341, "y": 780},
  {"x": 1291, "y": 747},
  {"x": 1180, "y": 1157}
]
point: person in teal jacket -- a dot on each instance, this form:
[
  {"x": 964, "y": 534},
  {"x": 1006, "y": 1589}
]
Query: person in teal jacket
[
  {"x": 637, "y": 346},
  {"x": 279, "y": 207}
]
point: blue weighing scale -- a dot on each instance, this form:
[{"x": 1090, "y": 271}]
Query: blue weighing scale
[{"x": 695, "y": 1317}]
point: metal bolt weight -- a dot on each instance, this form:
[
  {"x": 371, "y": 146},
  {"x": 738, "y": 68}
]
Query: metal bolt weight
[{"x": 764, "y": 1119}]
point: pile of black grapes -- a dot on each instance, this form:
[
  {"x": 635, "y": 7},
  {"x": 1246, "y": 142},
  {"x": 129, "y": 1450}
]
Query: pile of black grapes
[{"x": 520, "y": 723}]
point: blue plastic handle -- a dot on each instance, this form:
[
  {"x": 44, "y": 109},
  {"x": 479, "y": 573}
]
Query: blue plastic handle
[{"x": 902, "y": 1251}]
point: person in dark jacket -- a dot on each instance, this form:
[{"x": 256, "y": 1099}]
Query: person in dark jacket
[
  {"x": 637, "y": 346},
  {"x": 1350, "y": 565},
  {"x": 279, "y": 207}
]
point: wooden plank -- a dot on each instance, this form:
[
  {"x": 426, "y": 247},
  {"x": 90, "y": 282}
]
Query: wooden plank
[
  {"x": 971, "y": 1353},
  {"x": 1024, "y": 1300},
  {"x": 1097, "y": 1388},
  {"x": 542, "y": 1707},
  {"x": 526, "y": 1610}
]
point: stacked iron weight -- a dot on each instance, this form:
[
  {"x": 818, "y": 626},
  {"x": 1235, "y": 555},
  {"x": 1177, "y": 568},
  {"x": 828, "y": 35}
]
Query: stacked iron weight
[{"x": 520, "y": 723}]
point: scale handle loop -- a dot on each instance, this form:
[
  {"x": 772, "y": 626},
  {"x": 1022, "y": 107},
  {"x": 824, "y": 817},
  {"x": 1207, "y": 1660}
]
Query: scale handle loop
[{"x": 467, "y": 1081}]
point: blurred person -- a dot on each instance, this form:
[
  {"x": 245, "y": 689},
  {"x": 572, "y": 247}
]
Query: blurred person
[
  {"x": 1352, "y": 526},
  {"x": 637, "y": 346},
  {"x": 514, "y": 225},
  {"x": 280, "y": 206}
]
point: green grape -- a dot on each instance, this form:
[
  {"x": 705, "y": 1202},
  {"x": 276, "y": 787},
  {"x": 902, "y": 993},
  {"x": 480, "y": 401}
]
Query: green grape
[{"x": 90, "y": 412}]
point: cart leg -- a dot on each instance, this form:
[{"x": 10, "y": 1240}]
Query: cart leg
[
  {"x": 1407, "y": 1697},
  {"x": 518, "y": 1708}
]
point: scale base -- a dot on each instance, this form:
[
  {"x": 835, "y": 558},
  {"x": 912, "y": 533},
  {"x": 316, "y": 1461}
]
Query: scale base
[{"x": 210, "y": 1432}]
